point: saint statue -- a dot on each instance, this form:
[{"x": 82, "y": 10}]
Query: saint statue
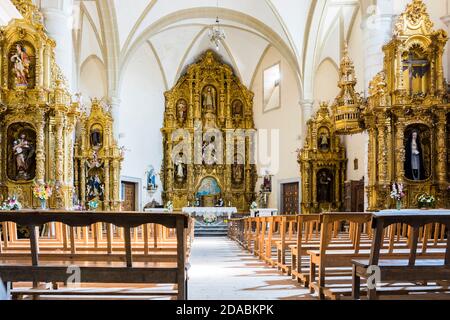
[
  {"x": 324, "y": 144},
  {"x": 209, "y": 100},
  {"x": 237, "y": 173},
  {"x": 96, "y": 139},
  {"x": 179, "y": 164},
  {"x": 267, "y": 184},
  {"x": 95, "y": 187},
  {"x": 220, "y": 203},
  {"x": 209, "y": 152},
  {"x": 151, "y": 179},
  {"x": 414, "y": 165},
  {"x": 181, "y": 111},
  {"x": 23, "y": 153},
  {"x": 324, "y": 187},
  {"x": 237, "y": 108},
  {"x": 22, "y": 63}
]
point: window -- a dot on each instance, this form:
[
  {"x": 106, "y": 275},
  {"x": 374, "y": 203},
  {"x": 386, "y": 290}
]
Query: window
[{"x": 272, "y": 88}]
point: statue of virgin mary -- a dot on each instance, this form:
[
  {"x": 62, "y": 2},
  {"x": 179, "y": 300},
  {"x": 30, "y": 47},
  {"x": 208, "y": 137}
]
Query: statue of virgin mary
[{"x": 414, "y": 165}]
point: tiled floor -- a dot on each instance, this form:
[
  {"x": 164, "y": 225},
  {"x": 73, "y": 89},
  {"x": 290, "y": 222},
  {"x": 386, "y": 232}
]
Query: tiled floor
[{"x": 222, "y": 270}]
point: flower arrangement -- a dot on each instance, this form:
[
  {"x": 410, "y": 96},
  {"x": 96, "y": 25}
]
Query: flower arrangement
[
  {"x": 42, "y": 191},
  {"x": 93, "y": 204},
  {"x": 254, "y": 205},
  {"x": 11, "y": 204},
  {"x": 210, "y": 218},
  {"x": 426, "y": 201},
  {"x": 398, "y": 194},
  {"x": 169, "y": 206}
]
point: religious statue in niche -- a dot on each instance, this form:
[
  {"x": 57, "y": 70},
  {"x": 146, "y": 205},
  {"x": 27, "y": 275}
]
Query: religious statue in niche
[
  {"x": 416, "y": 155},
  {"x": 417, "y": 68},
  {"x": 238, "y": 108},
  {"x": 209, "y": 152},
  {"x": 209, "y": 107},
  {"x": 324, "y": 141},
  {"x": 151, "y": 179},
  {"x": 181, "y": 111},
  {"x": 21, "y": 63},
  {"x": 95, "y": 162},
  {"x": 180, "y": 168},
  {"x": 23, "y": 152},
  {"x": 95, "y": 187},
  {"x": 237, "y": 170},
  {"x": 96, "y": 137},
  {"x": 22, "y": 159},
  {"x": 267, "y": 183},
  {"x": 324, "y": 186},
  {"x": 209, "y": 99}
]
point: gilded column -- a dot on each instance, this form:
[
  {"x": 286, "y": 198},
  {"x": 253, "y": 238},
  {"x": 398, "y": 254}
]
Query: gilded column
[
  {"x": 400, "y": 152},
  {"x": 40, "y": 145},
  {"x": 441, "y": 166},
  {"x": 314, "y": 186},
  {"x": 115, "y": 185},
  {"x": 389, "y": 150},
  {"x": 371, "y": 167},
  {"x": 83, "y": 181},
  {"x": 382, "y": 152},
  {"x": 59, "y": 150},
  {"x": 107, "y": 202}
]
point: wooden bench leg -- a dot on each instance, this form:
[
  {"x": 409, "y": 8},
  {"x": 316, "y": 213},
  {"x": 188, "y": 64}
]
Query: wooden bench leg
[
  {"x": 312, "y": 276},
  {"x": 372, "y": 294},
  {"x": 356, "y": 284}
]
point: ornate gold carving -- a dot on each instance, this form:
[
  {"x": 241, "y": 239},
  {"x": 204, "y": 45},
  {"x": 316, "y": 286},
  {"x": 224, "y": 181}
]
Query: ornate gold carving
[
  {"x": 348, "y": 104},
  {"x": 33, "y": 93},
  {"x": 204, "y": 111},
  {"x": 322, "y": 165},
  {"x": 408, "y": 98},
  {"x": 98, "y": 159}
]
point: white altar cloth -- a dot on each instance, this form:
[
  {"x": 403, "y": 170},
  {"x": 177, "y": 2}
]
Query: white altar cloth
[
  {"x": 156, "y": 210},
  {"x": 412, "y": 212},
  {"x": 263, "y": 212},
  {"x": 220, "y": 212}
]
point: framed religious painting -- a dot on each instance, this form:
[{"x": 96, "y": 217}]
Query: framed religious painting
[
  {"x": 272, "y": 88},
  {"x": 21, "y": 152}
]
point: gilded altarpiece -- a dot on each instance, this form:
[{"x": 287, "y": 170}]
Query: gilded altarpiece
[
  {"x": 98, "y": 159},
  {"x": 322, "y": 165},
  {"x": 407, "y": 114},
  {"x": 37, "y": 116},
  {"x": 208, "y": 137}
]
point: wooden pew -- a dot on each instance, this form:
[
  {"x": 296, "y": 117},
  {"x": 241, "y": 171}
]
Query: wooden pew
[
  {"x": 334, "y": 251},
  {"x": 334, "y": 259},
  {"x": 416, "y": 266},
  {"x": 236, "y": 230},
  {"x": 308, "y": 228},
  {"x": 288, "y": 230},
  {"x": 36, "y": 267},
  {"x": 147, "y": 239}
]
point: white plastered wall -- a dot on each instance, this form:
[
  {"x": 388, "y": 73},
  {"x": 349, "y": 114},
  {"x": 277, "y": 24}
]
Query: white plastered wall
[{"x": 285, "y": 120}]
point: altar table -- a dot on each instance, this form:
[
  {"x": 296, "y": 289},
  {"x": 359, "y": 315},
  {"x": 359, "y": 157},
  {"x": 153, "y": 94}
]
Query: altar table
[
  {"x": 218, "y": 211},
  {"x": 263, "y": 212}
]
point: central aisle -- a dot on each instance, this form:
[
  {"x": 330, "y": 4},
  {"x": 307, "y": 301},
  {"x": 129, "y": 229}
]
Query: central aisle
[{"x": 222, "y": 270}]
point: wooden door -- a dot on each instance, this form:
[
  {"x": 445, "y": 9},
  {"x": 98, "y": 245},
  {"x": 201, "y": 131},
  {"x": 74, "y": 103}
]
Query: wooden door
[
  {"x": 129, "y": 196},
  {"x": 290, "y": 198},
  {"x": 354, "y": 196}
]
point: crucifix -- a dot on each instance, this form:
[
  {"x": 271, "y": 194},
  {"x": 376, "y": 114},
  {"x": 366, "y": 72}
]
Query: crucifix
[{"x": 417, "y": 69}]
